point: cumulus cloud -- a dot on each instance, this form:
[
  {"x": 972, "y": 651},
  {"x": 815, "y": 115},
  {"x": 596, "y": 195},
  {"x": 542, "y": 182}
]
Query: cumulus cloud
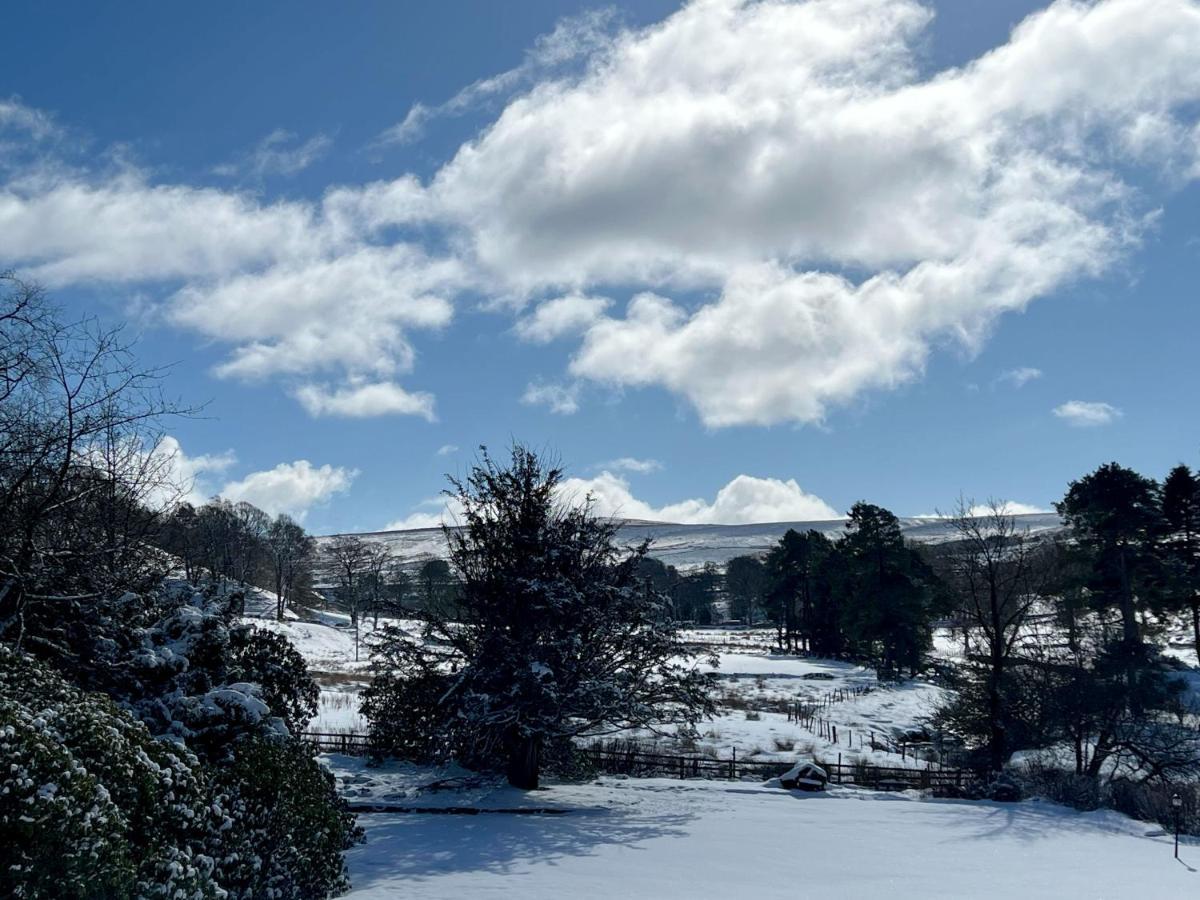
[
  {"x": 796, "y": 210},
  {"x": 1005, "y": 508},
  {"x": 363, "y": 400},
  {"x": 447, "y": 449},
  {"x": 744, "y": 147},
  {"x": 744, "y": 500},
  {"x": 562, "y": 399},
  {"x": 561, "y": 317},
  {"x": 1019, "y": 377},
  {"x": 291, "y": 488},
  {"x": 1086, "y": 413},
  {"x": 184, "y": 478}
]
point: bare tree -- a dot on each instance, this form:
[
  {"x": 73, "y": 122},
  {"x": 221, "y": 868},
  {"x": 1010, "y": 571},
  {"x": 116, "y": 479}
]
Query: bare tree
[
  {"x": 350, "y": 557},
  {"x": 997, "y": 573},
  {"x": 78, "y": 467},
  {"x": 290, "y": 550}
]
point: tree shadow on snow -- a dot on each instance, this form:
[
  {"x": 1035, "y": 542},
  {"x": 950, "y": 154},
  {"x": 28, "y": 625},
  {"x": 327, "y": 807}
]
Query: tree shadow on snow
[{"x": 424, "y": 846}]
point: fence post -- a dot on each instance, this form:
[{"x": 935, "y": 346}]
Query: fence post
[{"x": 733, "y": 766}]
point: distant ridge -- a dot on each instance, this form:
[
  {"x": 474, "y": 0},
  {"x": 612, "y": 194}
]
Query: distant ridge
[{"x": 692, "y": 546}]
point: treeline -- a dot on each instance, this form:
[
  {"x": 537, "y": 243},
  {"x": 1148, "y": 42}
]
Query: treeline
[
  {"x": 242, "y": 544},
  {"x": 866, "y": 594},
  {"x": 1063, "y": 637},
  {"x": 147, "y": 738}
]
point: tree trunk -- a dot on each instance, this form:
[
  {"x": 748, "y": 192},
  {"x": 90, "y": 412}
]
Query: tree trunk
[
  {"x": 1196, "y": 624},
  {"x": 524, "y": 763}
]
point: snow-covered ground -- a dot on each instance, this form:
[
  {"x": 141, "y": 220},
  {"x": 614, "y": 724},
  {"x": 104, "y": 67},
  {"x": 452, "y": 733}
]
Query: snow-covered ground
[{"x": 665, "y": 839}]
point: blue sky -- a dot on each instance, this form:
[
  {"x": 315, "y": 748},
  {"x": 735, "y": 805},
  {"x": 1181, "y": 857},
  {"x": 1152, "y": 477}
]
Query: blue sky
[{"x": 731, "y": 261}]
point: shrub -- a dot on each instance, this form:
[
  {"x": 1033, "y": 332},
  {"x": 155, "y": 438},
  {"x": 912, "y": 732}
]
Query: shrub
[
  {"x": 90, "y": 804},
  {"x": 287, "y": 828}
]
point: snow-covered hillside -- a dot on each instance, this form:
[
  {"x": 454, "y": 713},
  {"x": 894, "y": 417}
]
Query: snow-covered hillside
[{"x": 691, "y": 546}]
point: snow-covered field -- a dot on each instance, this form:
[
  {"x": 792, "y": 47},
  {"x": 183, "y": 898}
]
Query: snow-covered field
[{"x": 665, "y": 839}]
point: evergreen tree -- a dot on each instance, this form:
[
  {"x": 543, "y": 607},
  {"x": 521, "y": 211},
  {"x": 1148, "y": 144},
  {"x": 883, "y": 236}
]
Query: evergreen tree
[
  {"x": 889, "y": 593},
  {"x": 555, "y": 638},
  {"x": 745, "y": 583},
  {"x": 1115, "y": 517},
  {"x": 799, "y": 595},
  {"x": 1181, "y": 510}
]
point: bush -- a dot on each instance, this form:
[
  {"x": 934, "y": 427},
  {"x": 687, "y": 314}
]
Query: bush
[
  {"x": 90, "y": 804},
  {"x": 270, "y": 661},
  {"x": 287, "y": 827}
]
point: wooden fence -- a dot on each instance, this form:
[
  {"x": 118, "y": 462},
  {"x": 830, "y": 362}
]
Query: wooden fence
[
  {"x": 633, "y": 759},
  {"x": 626, "y": 758}
]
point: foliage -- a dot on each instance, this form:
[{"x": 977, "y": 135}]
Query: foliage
[
  {"x": 287, "y": 828},
  {"x": 556, "y": 637},
  {"x": 90, "y": 804}
]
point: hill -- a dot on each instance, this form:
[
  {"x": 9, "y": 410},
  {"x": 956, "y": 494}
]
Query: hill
[{"x": 692, "y": 546}]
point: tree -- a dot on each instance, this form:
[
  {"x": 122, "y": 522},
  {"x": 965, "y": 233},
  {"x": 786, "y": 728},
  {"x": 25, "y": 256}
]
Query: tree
[
  {"x": 889, "y": 593},
  {"x": 996, "y": 574},
  {"x": 696, "y": 594},
  {"x": 290, "y": 551},
  {"x": 437, "y": 585},
  {"x": 1181, "y": 510},
  {"x": 798, "y": 593},
  {"x": 556, "y": 636},
  {"x": 1116, "y": 521},
  {"x": 745, "y": 583},
  {"x": 350, "y": 557},
  {"x": 79, "y": 472}
]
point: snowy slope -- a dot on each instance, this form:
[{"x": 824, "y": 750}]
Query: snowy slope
[{"x": 691, "y": 546}]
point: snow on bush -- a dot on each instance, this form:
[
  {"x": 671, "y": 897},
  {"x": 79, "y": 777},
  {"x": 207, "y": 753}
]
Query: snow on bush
[{"x": 90, "y": 804}]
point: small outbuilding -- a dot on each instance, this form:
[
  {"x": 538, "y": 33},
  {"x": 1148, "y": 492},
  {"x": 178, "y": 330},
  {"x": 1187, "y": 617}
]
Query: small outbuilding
[{"x": 805, "y": 776}]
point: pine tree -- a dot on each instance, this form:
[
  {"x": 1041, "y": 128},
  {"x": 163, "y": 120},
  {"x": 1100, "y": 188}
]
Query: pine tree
[{"x": 1181, "y": 510}]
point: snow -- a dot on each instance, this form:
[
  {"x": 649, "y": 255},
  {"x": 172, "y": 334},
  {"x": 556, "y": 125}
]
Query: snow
[
  {"x": 691, "y": 546},
  {"x": 665, "y": 839}
]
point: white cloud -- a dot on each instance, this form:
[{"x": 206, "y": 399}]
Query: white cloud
[
  {"x": 739, "y": 148},
  {"x": 743, "y": 500},
  {"x": 1087, "y": 414},
  {"x": 631, "y": 464},
  {"x": 562, "y": 399},
  {"x": 447, "y": 449},
  {"x": 16, "y": 115},
  {"x": 727, "y": 167},
  {"x": 432, "y": 513},
  {"x": 279, "y": 154},
  {"x": 573, "y": 38},
  {"x": 563, "y": 316},
  {"x": 183, "y": 478},
  {"x": 1006, "y": 508},
  {"x": 363, "y": 400},
  {"x": 1019, "y": 377},
  {"x": 407, "y": 131},
  {"x": 291, "y": 488}
]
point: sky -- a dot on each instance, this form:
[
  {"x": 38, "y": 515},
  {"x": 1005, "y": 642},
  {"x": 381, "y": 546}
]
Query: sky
[{"x": 727, "y": 261}]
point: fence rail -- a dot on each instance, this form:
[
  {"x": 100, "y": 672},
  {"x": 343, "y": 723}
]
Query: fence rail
[{"x": 628, "y": 758}]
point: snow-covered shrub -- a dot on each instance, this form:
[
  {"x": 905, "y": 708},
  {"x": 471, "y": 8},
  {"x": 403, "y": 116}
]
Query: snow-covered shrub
[
  {"x": 287, "y": 826},
  {"x": 269, "y": 660},
  {"x": 90, "y": 804}
]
